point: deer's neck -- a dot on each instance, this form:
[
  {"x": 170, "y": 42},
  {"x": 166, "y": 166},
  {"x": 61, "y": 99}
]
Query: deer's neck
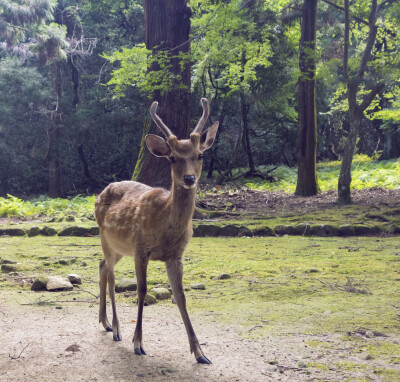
[{"x": 182, "y": 204}]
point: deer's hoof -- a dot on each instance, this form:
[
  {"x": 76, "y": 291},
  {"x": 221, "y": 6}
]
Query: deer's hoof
[
  {"x": 140, "y": 351},
  {"x": 117, "y": 337},
  {"x": 203, "y": 359},
  {"x": 109, "y": 329}
]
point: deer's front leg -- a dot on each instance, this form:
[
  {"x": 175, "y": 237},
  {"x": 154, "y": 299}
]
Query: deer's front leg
[
  {"x": 141, "y": 272},
  {"x": 175, "y": 271}
]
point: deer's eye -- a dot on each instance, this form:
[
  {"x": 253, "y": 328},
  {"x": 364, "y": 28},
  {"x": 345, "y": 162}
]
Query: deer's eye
[
  {"x": 172, "y": 159},
  {"x": 200, "y": 156}
]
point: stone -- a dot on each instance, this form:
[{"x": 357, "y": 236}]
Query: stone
[
  {"x": 198, "y": 286},
  {"x": 6, "y": 261},
  {"x": 12, "y": 231},
  {"x": 224, "y": 276},
  {"x": 285, "y": 230},
  {"x": 206, "y": 230},
  {"x": 365, "y": 230},
  {"x": 161, "y": 293},
  {"x": 70, "y": 218},
  {"x": 263, "y": 231},
  {"x": 74, "y": 278},
  {"x": 8, "y": 268},
  {"x": 48, "y": 231},
  {"x": 324, "y": 230},
  {"x": 245, "y": 231},
  {"x": 229, "y": 230},
  {"x": 149, "y": 299},
  {"x": 57, "y": 284},
  {"x": 74, "y": 231},
  {"x": 303, "y": 229},
  {"x": 346, "y": 230},
  {"x": 33, "y": 231},
  {"x": 126, "y": 285},
  {"x": 39, "y": 283},
  {"x": 94, "y": 231}
]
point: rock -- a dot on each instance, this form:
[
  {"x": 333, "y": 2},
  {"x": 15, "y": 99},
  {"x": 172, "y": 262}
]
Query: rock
[
  {"x": 56, "y": 284},
  {"x": 224, "y": 276},
  {"x": 303, "y": 229},
  {"x": 367, "y": 356},
  {"x": 206, "y": 230},
  {"x": 245, "y": 231},
  {"x": 198, "y": 286},
  {"x": 313, "y": 270},
  {"x": 149, "y": 299},
  {"x": 161, "y": 293},
  {"x": 39, "y": 283},
  {"x": 365, "y": 230},
  {"x": 126, "y": 285},
  {"x": 285, "y": 230},
  {"x": 302, "y": 365},
  {"x": 229, "y": 230},
  {"x": 48, "y": 231},
  {"x": 324, "y": 230},
  {"x": 74, "y": 231},
  {"x": 74, "y": 278},
  {"x": 33, "y": 231},
  {"x": 263, "y": 231},
  {"x": 12, "y": 231},
  {"x": 7, "y": 268},
  {"x": 346, "y": 230},
  {"x": 94, "y": 231},
  {"x": 70, "y": 218},
  {"x": 5, "y": 261}
]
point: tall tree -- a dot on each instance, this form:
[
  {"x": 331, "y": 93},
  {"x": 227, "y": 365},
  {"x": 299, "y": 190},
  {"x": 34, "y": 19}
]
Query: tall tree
[
  {"x": 354, "y": 82},
  {"x": 307, "y": 183},
  {"x": 167, "y": 25}
]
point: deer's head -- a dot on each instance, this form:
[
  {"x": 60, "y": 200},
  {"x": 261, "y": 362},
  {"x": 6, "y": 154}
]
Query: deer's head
[{"x": 185, "y": 155}]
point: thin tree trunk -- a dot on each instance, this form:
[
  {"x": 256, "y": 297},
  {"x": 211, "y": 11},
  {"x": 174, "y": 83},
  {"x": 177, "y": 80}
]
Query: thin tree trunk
[
  {"x": 246, "y": 133},
  {"x": 356, "y": 110},
  {"x": 307, "y": 182},
  {"x": 167, "y": 26},
  {"x": 215, "y": 146}
]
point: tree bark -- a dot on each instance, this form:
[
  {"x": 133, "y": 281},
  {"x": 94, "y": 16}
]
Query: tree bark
[
  {"x": 246, "y": 134},
  {"x": 167, "y": 26},
  {"x": 307, "y": 182}
]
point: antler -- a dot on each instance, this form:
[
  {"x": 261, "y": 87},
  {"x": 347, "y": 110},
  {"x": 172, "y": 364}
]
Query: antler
[
  {"x": 153, "y": 108},
  {"x": 203, "y": 119}
]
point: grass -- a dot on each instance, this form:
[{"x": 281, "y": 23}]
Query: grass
[
  {"x": 283, "y": 284},
  {"x": 366, "y": 173}
]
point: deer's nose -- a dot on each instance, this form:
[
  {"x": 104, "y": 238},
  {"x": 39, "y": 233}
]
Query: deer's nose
[{"x": 189, "y": 180}]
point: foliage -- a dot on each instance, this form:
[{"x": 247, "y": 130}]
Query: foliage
[
  {"x": 366, "y": 173},
  {"x": 13, "y": 206}
]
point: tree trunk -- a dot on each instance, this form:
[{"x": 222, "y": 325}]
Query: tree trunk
[
  {"x": 307, "y": 183},
  {"x": 53, "y": 160},
  {"x": 391, "y": 147},
  {"x": 53, "y": 156},
  {"x": 214, "y": 149},
  {"x": 356, "y": 110},
  {"x": 167, "y": 26},
  {"x": 246, "y": 134}
]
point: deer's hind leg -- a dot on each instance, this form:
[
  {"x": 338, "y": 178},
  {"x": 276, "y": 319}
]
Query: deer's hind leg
[
  {"x": 103, "y": 271},
  {"x": 107, "y": 276}
]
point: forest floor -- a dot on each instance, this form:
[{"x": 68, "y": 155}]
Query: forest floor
[{"x": 294, "y": 309}]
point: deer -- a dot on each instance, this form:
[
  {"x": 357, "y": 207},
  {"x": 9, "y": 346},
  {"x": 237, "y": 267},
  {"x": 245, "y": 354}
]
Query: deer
[{"x": 149, "y": 223}]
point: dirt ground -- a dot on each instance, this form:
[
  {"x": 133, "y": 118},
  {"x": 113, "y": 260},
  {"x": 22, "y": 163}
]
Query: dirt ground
[
  {"x": 280, "y": 203},
  {"x": 49, "y": 344}
]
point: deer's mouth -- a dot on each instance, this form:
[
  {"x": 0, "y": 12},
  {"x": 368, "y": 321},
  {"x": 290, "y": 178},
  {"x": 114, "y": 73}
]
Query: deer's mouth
[{"x": 190, "y": 187}]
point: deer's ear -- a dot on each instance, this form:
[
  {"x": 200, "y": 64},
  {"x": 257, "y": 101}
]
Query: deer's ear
[
  {"x": 207, "y": 138},
  {"x": 157, "y": 146}
]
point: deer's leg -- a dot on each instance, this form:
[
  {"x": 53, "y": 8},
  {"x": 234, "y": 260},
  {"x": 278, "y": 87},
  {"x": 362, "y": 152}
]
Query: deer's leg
[
  {"x": 103, "y": 294},
  {"x": 175, "y": 271},
  {"x": 141, "y": 272}
]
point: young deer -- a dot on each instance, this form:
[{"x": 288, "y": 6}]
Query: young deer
[{"x": 153, "y": 224}]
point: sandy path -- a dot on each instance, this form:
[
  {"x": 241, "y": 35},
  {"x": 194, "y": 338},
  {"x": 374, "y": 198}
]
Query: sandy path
[{"x": 43, "y": 334}]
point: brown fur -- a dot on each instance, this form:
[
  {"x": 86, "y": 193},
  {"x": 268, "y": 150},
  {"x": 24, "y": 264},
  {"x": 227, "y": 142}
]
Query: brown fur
[{"x": 148, "y": 223}]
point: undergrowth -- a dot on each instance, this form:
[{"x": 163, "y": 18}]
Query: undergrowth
[{"x": 366, "y": 173}]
